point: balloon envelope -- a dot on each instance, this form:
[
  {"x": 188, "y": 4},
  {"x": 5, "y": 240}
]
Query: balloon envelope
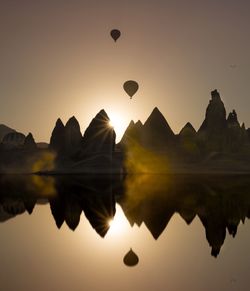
[
  {"x": 130, "y": 87},
  {"x": 115, "y": 34},
  {"x": 130, "y": 259}
]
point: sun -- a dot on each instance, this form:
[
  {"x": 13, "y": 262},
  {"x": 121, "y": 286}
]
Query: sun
[
  {"x": 119, "y": 224},
  {"x": 111, "y": 124},
  {"x": 118, "y": 123}
]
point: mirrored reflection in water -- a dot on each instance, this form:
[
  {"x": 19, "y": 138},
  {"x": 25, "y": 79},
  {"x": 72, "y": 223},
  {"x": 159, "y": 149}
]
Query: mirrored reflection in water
[{"x": 117, "y": 208}]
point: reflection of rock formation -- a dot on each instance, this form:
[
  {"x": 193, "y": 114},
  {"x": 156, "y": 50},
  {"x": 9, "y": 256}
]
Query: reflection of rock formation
[
  {"x": 93, "y": 197},
  {"x": 220, "y": 202},
  {"x": 16, "y": 196},
  {"x": 145, "y": 202},
  {"x": 214, "y": 222}
]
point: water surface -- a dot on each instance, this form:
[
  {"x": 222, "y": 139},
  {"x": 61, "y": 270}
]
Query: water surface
[{"x": 190, "y": 232}]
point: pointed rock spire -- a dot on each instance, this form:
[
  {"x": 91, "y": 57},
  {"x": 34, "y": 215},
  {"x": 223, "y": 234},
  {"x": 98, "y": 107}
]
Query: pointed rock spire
[
  {"x": 132, "y": 134},
  {"x": 188, "y": 129},
  {"x": 232, "y": 120},
  {"x": 29, "y": 142},
  {"x": 157, "y": 134},
  {"x": 57, "y": 140},
  {"x": 157, "y": 121},
  {"x": 73, "y": 136},
  {"x": 215, "y": 120},
  {"x": 99, "y": 136}
]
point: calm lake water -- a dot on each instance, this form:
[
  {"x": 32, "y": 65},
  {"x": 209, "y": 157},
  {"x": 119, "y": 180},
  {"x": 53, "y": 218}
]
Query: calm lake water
[{"x": 190, "y": 232}]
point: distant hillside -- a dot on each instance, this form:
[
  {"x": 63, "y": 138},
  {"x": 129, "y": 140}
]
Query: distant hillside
[{"x": 4, "y": 130}]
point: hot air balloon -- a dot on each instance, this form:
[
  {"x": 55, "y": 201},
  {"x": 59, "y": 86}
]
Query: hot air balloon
[
  {"x": 130, "y": 87},
  {"x": 115, "y": 34},
  {"x": 130, "y": 259}
]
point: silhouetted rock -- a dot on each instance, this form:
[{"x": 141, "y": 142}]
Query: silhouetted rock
[
  {"x": 235, "y": 134},
  {"x": 188, "y": 215},
  {"x": 188, "y": 142},
  {"x": 29, "y": 142},
  {"x": 220, "y": 202},
  {"x": 232, "y": 119},
  {"x": 132, "y": 135},
  {"x": 4, "y": 130},
  {"x": 4, "y": 216},
  {"x": 73, "y": 211},
  {"x": 57, "y": 206},
  {"x": 215, "y": 120},
  {"x": 13, "y": 206},
  {"x": 73, "y": 136},
  {"x": 219, "y": 144},
  {"x": 13, "y": 140},
  {"x": 157, "y": 134},
  {"x": 99, "y": 137},
  {"x": 57, "y": 140},
  {"x": 244, "y": 134},
  {"x": 187, "y": 131},
  {"x": 213, "y": 131}
]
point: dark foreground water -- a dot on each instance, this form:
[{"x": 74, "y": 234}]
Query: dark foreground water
[{"x": 189, "y": 232}]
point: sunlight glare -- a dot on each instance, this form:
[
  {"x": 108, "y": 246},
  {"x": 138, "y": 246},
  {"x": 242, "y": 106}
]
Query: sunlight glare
[
  {"x": 111, "y": 123},
  {"x": 118, "y": 123},
  {"x": 119, "y": 224}
]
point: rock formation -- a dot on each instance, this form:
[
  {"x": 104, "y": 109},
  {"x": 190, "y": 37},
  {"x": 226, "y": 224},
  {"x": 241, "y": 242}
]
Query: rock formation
[
  {"x": 29, "y": 142},
  {"x": 73, "y": 136},
  {"x": 57, "y": 140},
  {"x": 232, "y": 119},
  {"x": 99, "y": 137},
  {"x": 235, "y": 134},
  {"x": 157, "y": 134},
  {"x": 215, "y": 119},
  {"x": 220, "y": 143},
  {"x": 132, "y": 135},
  {"x": 187, "y": 141},
  {"x": 4, "y": 130},
  {"x": 213, "y": 131},
  {"x": 13, "y": 140},
  {"x": 187, "y": 131}
]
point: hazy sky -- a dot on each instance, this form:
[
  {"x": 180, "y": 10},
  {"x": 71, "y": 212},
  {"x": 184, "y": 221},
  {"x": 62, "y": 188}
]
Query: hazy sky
[{"x": 57, "y": 59}]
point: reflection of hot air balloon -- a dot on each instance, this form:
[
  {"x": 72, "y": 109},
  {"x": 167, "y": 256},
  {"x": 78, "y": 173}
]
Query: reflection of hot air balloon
[
  {"x": 115, "y": 34},
  {"x": 130, "y": 259},
  {"x": 130, "y": 87}
]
